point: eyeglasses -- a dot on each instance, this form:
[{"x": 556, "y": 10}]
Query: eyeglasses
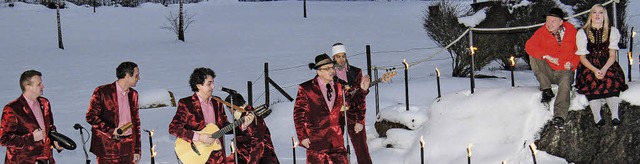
[{"x": 327, "y": 68}]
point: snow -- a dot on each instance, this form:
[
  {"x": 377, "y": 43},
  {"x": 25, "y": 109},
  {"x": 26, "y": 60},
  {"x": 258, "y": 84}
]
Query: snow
[
  {"x": 475, "y": 19},
  {"x": 235, "y": 39}
]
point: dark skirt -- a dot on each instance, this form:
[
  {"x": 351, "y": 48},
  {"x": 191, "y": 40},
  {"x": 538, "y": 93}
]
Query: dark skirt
[{"x": 611, "y": 85}]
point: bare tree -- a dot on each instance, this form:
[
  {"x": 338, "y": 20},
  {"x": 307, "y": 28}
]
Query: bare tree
[
  {"x": 179, "y": 27},
  {"x": 59, "y": 26}
]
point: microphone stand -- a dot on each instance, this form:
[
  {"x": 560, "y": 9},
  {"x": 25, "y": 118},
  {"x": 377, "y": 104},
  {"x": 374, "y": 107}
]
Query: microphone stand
[
  {"x": 235, "y": 137},
  {"x": 86, "y": 156},
  {"x": 346, "y": 124}
]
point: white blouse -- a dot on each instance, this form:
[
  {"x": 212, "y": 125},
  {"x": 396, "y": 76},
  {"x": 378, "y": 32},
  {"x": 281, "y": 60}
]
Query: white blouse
[{"x": 581, "y": 41}]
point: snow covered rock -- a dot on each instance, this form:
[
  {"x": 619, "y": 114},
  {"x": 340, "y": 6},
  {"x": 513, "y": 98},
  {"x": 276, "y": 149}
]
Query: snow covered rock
[{"x": 582, "y": 142}]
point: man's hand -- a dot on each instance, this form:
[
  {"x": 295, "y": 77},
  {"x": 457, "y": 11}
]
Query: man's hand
[
  {"x": 57, "y": 146},
  {"x": 205, "y": 138},
  {"x": 247, "y": 120},
  {"x": 551, "y": 59},
  {"x": 365, "y": 82},
  {"x": 38, "y": 134},
  {"x": 568, "y": 66},
  {"x": 358, "y": 127},
  {"x": 305, "y": 142},
  {"x": 136, "y": 158}
]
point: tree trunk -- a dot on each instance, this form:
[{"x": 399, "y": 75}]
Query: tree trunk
[
  {"x": 59, "y": 26},
  {"x": 181, "y": 24}
]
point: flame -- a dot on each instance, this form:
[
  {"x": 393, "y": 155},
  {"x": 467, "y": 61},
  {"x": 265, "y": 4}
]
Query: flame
[
  {"x": 633, "y": 34},
  {"x": 233, "y": 148},
  {"x": 421, "y": 142},
  {"x": 473, "y": 50},
  {"x": 469, "y": 150},
  {"x": 533, "y": 148},
  {"x": 512, "y": 59},
  {"x": 153, "y": 151},
  {"x": 294, "y": 143},
  {"x": 151, "y": 133},
  {"x": 504, "y": 162},
  {"x": 406, "y": 65},
  {"x": 438, "y": 71}
]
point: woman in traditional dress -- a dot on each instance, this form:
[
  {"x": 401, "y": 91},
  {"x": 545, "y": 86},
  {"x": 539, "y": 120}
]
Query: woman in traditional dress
[{"x": 599, "y": 76}]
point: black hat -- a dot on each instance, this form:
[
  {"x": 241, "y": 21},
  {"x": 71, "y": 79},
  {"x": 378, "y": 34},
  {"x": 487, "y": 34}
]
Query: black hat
[
  {"x": 555, "y": 12},
  {"x": 321, "y": 60},
  {"x": 238, "y": 100}
]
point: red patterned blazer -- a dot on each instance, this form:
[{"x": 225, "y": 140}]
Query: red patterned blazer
[
  {"x": 17, "y": 124},
  {"x": 103, "y": 117},
  {"x": 313, "y": 119},
  {"x": 189, "y": 118}
]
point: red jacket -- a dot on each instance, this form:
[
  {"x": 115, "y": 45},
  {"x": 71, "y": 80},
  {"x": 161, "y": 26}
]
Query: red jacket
[
  {"x": 357, "y": 105},
  {"x": 544, "y": 43},
  {"x": 17, "y": 124},
  {"x": 313, "y": 119},
  {"x": 189, "y": 118},
  {"x": 102, "y": 115},
  {"x": 254, "y": 145}
]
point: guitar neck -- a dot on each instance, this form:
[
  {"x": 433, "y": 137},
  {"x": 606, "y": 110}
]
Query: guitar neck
[
  {"x": 226, "y": 129},
  {"x": 375, "y": 82}
]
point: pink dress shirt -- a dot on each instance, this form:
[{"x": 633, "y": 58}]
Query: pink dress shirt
[
  {"x": 124, "y": 110},
  {"x": 207, "y": 111},
  {"x": 37, "y": 111},
  {"x": 323, "y": 88}
]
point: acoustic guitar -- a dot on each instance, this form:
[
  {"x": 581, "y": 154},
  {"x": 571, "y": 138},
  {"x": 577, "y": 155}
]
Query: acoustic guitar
[{"x": 198, "y": 152}]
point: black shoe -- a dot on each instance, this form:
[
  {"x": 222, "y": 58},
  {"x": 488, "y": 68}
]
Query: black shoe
[
  {"x": 547, "y": 94},
  {"x": 615, "y": 122},
  {"x": 558, "y": 122},
  {"x": 600, "y": 123}
]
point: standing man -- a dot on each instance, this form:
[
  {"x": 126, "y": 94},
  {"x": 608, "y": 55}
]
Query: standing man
[
  {"x": 357, "y": 111},
  {"x": 200, "y": 109},
  {"x": 553, "y": 60},
  {"x": 113, "y": 109},
  {"x": 26, "y": 123},
  {"x": 317, "y": 114}
]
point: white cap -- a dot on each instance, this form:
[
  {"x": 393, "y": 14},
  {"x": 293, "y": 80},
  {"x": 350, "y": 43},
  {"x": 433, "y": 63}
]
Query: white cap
[{"x": 338, "y": 49}]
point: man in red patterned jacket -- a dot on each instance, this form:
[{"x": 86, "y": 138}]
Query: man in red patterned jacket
[
  {"x": 317, "y": 114},
  {"x": 255, "y": 145},
  {"x": 357, "y": 106},
  {"x": 26, "y": 123},
  {"x": 112, "y": 106},
  {"x": 196, "y": 111},
  {"x": 552, "y": 57}
]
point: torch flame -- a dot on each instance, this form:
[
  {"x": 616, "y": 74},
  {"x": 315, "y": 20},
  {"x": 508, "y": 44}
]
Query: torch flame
[
  {"x": 421, "y": 142},
  {"x": 406, "y": 65},
  {"x": 473, "y": 50},
  {"x": 438, "y": 71},
  {"x": 633, "y": 34},
  {"x": 504, "y": 162},
  {"x": 533, "y": 148},
  {"x": 294, "y": 143},
  {"x": 153, "y": 151},
  {"x": 512, "y": 59},
  {"x": 151, "y": 133},
  {"x": 469, "y": 150}
]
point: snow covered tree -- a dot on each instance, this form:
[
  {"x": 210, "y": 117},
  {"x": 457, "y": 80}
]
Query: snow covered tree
[{"x": 441, "y": 25}]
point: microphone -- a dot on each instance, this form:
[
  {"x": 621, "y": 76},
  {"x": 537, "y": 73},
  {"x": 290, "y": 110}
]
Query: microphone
[
  {"x": 228, "y": 90},
  {"x": 77, "y": 126},
  {"x": 335, "y": 78}
]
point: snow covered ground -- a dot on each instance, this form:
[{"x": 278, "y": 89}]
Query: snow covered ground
[{"x": 236, "y": 39}]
